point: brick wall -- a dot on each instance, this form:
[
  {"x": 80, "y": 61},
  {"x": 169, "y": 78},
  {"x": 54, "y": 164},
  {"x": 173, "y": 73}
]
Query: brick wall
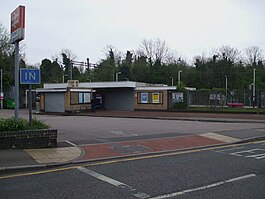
[{"x": 46, "y": 138}]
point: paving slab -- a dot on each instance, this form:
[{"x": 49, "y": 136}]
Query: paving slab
[
  {"x": 54, "y": 155},
  {"x": 223, "y": 138}
]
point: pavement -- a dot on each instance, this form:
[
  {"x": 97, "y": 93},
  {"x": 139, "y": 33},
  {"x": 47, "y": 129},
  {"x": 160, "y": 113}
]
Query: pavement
[
  {"x": 15, "y": 160},
  {"x": 184, "y": 116}
]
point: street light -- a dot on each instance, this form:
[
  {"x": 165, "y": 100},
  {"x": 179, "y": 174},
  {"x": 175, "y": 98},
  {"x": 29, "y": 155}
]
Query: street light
[
  {"x": 1, "y": 92},
  {"x": 117, "y": 76},
  {"x": 179, "y": 72},
  {"x": 64, "y": 76},
  {"x": 172, "y": 81},
  {"x": 226, "y": 88},
  {"x": 254, "y": 87}
]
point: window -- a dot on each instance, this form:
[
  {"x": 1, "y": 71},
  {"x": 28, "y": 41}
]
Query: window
[{"x": 80, "y": 98}]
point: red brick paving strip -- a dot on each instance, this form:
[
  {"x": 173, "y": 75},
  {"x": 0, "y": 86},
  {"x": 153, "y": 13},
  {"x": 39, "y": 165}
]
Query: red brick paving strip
[
  {"x": 99, "y": 151},
  {"x": 95, "y": 151},
  {"x": 174, "y": 143}
]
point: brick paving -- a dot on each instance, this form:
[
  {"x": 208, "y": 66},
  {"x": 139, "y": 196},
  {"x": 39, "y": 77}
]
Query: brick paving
[
  {"x": 95, "y": 151},
  {"x": 124, "y": 148}
]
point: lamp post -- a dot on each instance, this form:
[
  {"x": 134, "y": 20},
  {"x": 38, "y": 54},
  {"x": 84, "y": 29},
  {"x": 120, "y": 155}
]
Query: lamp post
[
  {"x": 226, "y": 88},
  {"x": 117, "y": 76},
  {"x": 172, "y": 81},
  {"x": 1, "y": 92},
  {"x": 179, "y": 72},
  {"x": 64, "y": 76},
  {"x": 254, "y": 88}
]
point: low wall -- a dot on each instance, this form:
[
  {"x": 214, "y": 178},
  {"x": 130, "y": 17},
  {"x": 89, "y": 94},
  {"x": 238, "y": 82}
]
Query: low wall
[{"x": 28, "y": 139}]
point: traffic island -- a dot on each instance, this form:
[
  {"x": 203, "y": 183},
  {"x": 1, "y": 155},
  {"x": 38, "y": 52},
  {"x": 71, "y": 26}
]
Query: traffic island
[{"x": 28, "y": 139}]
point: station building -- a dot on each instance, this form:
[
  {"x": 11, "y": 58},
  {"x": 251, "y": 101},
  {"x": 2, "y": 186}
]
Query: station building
[{"x": 120, "y": 95}]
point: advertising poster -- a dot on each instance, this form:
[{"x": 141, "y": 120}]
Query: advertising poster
[
  {"x": 144, "y": 97},
  {"x": 80, "y": 98},
  {"x": 155, "y": 97},
  {"x": 177, "y": 97},
  {"x": 87, "y": 98}
]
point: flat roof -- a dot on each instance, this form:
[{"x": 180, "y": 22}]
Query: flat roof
[
  {"x": 158, "y": 88},
  {"x": 94, "y": 85},
  {"x": 43, "y": 90}
]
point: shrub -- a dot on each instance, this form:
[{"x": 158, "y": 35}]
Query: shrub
[{"x": 10, "y": 124}]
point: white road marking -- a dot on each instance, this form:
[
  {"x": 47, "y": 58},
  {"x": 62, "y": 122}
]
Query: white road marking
[
  {"x": 123, "y": 133},
  {"x": 204, "y": 187},
  {"x": 113, "y": 182},
  {"x": 71, "y": 143},
  {"x": 251, "y": 151},
  {"x": 117, "y": 132},
  {"x": 257, "y": 156},
  {"x": 224, "y": 150}
]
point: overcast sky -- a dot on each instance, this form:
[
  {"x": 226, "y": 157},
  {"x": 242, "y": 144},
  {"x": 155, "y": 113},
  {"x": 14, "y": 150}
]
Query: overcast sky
[{"x": 190, "y": 27}]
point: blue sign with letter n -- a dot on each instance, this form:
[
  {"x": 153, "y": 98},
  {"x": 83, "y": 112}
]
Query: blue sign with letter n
[{"x": 29, "y": 76}]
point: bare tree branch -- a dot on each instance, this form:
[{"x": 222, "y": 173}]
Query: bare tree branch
[
  {"x": 154, "y": 50},
  {"x": 253, "y": 55},
  {"x": 229, "y": 53}
]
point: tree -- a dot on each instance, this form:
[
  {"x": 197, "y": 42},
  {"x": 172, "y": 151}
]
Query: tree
[
  {"x": 65, "y": 57},
  {"x": 253, "y": 55},
  {"x": 6, "y": 48},
  {"x": 67, "y": 66},
  {"x": 126, "y": 66},
  {"x": 105, "y": 71},
  {"x": 113, "y": 55},
  {"x": 141, "y": 70},
  {"x": 76, "y": 73},
  {"x": 155, "y": 51},
  {"x": 70, "y": 54},
  {"x": 109, "y": 66},
  {"x": 228, "y": 53},
  {"x": 6, "y": 58},
  {"x": 51, "y": 71}
]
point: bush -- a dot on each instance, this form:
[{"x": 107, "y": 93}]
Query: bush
[{"x": 10, "y": 124}]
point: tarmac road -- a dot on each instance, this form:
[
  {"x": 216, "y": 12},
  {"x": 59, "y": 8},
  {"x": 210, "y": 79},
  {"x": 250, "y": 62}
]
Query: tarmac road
[
  {"x": 85, "y": 130},
  {"x": 235, "y": 171},
  {"x": 95, "y": 137}
]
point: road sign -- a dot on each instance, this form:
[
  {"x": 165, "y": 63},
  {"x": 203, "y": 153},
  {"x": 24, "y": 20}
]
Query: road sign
[
  {"x": 1, "y": 96},
  {"x": 18, "y": 24},
  {"x": 29, "y": 76}
]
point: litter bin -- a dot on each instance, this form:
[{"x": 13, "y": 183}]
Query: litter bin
[{"x": 10, "y": 104}]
